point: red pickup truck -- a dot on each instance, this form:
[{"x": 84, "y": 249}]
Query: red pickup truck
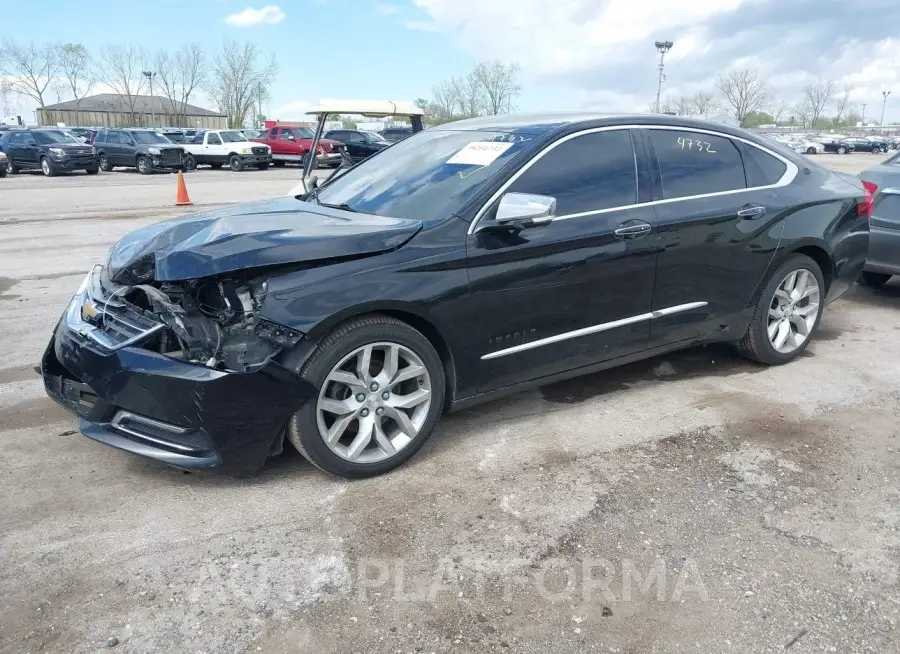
[{"x": 290, "y": 144}]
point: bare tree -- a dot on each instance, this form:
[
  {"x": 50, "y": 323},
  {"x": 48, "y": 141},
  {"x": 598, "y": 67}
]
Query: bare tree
[
  {"x": 500, "y": 84},
  {"x": 744, "y": 92},
  {"x": 704, "y": 103},
  {"x": 470, "y": 95},
  {"x": 818, "y": 96},
  {"x": 181, "y": 74},
  {"x": 239, "y": 78},
  {"x": 779, "y": 109},
  {"x": 75, "y": 63},
  {"x": 446, "y": 100},
  {"x": 684, "y": 105},
  {"x": 842, "y": 103},
  {"x": 5, "y": 92},
  {"x": 29, "y": 70},
  {"x": 803, "y": 113},
  {"x": 121, "y": 68}
]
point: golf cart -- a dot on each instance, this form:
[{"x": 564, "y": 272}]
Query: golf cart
[{"x": 367, "y": 108}]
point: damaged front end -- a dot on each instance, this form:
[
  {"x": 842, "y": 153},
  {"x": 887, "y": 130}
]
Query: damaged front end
[
  {"x": 185, "y": 373},
  {"x": 209, "y": 322}
]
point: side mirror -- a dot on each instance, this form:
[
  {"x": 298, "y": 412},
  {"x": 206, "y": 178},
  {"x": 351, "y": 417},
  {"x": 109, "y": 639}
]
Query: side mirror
[{"x": 525, "y": 209}]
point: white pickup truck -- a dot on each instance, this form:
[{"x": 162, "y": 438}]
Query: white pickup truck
[{"x": 218, "y": 147}]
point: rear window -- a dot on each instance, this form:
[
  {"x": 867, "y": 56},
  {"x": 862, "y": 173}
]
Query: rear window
[
  {"x": 692, "y": 163},
  {"x": 763, "y": 169}
]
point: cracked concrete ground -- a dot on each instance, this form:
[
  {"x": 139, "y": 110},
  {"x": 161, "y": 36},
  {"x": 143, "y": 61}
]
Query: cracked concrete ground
[{"x": 690, "y": 503}]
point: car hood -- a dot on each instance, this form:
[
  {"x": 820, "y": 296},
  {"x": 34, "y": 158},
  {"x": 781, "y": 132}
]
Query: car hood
[{"x": 268, "y": 233}]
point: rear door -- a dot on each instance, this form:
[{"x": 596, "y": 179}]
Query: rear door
[
  {"x": 720, "y": 220},
  {"x": 14, "y": 148},
  {"x": 576, "y": 290},
  {"x": 114, "y": 148}
]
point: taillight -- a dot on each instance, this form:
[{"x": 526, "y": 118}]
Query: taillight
[{"x": 864, "y": 209}]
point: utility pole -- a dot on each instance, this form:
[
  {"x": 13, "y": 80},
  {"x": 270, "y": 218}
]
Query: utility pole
[
  {"x": 863, "y": 119},
  {"x": 258, "y": 105},
  {"x": 662, "y": 47},
  {"x": 149, "y": 74},
  {"x": 883, "y": 103}
]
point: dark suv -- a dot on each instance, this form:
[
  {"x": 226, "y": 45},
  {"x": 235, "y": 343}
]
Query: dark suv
[
  {"x": 49, "y": 150},
  {"x": 394, "y": 134},
  {"x": 144, "y": 149},
  {"x": 360, "y": 144}
]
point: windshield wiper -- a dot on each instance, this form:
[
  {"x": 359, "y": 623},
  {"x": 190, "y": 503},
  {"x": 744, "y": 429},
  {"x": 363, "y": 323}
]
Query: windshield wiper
[{"x": 343, "y": 206}]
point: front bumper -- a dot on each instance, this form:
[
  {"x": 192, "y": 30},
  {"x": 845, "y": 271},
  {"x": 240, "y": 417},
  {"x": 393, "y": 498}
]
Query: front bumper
[
  {"x": 182, "y": 414},
  {"x": 75, "y": 163},
  {"x": 256, "y": 158}
]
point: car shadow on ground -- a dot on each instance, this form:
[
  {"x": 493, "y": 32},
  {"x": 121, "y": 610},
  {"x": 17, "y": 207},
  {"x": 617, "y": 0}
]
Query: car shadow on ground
[
  {"x": 887, "y": 295},
  {"x": 715, "y": 360}
]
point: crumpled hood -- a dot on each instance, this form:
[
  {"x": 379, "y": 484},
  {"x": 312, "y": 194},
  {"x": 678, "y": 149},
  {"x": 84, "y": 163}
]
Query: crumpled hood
[{"x": 267, "y": 233}]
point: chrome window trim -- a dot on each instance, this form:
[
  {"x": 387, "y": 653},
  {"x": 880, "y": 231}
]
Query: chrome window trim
[
  {"x": 606, "y": 326},
  {"x": 789, "y": 175}
]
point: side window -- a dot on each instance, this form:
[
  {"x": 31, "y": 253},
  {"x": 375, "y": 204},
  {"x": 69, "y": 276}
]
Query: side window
[
  {"x": 113, "y": 138},
  {"x": 213, "y": 139},
  {"x": 693, "y": 163},
  {"x": 286, "y": 134},
  {"x": 198, "y": 138},
  {"x": 17, "y": 139},
  {"x": 355, "y": 137},
  {"x": 762, "y": 169},
  {"x": 100, "y": 137},
  {"x": 587, "y": 173}
]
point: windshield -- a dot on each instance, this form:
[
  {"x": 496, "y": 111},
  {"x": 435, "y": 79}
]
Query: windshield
[
  {"x": 46, "y": 137},
  {"x": 232, "y": 137},
  {"x": 149, "y": 137},
  {"x": 427, "y": 176},
  {"x": 372, "y": 136},
  {"x": 175, "y": 137}
]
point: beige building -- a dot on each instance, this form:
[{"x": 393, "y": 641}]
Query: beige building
[{"x": 111, "y": 110}]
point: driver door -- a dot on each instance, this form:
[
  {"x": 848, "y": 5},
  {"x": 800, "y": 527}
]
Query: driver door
[{"x": 578, "y": 289}]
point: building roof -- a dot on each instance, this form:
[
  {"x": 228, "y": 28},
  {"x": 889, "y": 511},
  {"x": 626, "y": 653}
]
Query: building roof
[{"x": 143, "y": 104}]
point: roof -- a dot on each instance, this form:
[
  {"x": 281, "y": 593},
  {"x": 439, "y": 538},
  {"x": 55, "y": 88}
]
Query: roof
[
  {"x": 375, "y": 108},
  {"x": 143, "y": 104}
]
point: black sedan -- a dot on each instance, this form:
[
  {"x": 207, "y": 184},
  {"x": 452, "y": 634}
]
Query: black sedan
[
  {"x": 466, "y": 262},
  {"x": 838, "y": 146},
  {"x": 360, "y": 144},
  {"x": 861, "y": 144}
]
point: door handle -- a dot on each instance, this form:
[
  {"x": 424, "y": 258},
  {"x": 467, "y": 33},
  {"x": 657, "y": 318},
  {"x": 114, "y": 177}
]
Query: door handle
[
  {"x": 751, "y": 211},
  {"x": 632, "y": 229}
]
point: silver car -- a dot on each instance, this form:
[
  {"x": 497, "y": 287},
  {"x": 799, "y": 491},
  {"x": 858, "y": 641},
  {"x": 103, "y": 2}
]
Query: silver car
[{"x": 882, "y": 184}]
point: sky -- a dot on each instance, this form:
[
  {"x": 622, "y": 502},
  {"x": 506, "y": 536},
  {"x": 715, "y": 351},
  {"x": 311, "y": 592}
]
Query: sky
[{"x": 574, "y": 54}]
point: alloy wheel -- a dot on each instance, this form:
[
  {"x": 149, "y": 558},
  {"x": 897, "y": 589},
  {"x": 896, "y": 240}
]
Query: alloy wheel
[
  {"x": 45, "y": 167},
  {"x": 9, "y": 168},
  {"x": 374, "y": 402},
  {"x": 793, "y": 311}
]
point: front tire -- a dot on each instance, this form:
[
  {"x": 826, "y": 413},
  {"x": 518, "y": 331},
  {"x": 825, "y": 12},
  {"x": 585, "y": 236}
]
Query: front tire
[
  {"x": 10, "y": 169},
  {"x": 263, "y": 166},
  {"x": 236, "y": 164},
  {"x": 189, "y": 162},
  {"x": 382, "y": 389},
  {"x": 143, "y": 165},
  {"x": 842, "y": 150},
  {"x": 104, "y": 164},
  {"x": 47, "y": 167},
  {"x": 810, "y": 150},
  {"x": 874, "y": 279},
  {"x": 787, "y": 312}
]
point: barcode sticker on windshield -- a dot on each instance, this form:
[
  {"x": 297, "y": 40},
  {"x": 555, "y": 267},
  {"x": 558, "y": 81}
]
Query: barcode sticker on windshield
[{"x": 479, "y": 153}]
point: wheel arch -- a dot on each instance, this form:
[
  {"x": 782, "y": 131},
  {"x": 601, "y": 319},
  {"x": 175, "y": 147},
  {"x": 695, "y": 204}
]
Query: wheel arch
[
  {"x": 295, "y": 358},
  {"x": 819, "y": 253}
]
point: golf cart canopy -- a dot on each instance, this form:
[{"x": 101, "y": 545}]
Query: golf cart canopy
[{"x": 367, "y": 108}]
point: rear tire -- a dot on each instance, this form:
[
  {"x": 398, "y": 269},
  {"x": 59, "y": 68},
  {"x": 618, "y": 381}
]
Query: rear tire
[
  {"x": 874, "y": 279},
  {"x": 757, "y": 344},
  {"x": 842, "y": 150},
  {"x": 339, "y": 352}
]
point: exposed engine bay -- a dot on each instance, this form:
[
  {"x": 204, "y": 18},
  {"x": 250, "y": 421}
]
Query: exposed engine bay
[{"x": 210, "y": 322}]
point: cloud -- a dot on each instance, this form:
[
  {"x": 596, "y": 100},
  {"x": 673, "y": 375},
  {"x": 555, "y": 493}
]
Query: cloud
[
  {"x": 294, "y": 110},
  {"x": 386, "y": 8},
  {"x": 249, "y": 17},
  {"x": 422, "y": 25},
  {"x": 603, "y": 49}
]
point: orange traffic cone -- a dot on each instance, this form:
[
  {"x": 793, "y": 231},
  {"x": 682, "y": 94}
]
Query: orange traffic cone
[{"x": 181, "y": 196}]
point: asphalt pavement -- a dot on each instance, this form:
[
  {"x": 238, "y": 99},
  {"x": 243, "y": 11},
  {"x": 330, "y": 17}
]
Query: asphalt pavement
[{"x": 694, "y": 502}]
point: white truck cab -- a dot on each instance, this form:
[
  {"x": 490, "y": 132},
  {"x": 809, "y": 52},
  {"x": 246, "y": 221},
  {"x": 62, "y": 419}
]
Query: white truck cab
[{"x": 219, "y": 147}]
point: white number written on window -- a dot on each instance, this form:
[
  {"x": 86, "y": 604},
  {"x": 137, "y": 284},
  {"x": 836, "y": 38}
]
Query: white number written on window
[{"x": 695, "y": 144}]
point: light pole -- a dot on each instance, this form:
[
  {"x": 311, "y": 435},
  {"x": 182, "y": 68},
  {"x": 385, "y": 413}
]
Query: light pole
[
  {"x": 662, "y": 47},
  {"x": 863, "y": 119},
  {"x": 883, "y": 103},
  {"x": 149, "y": 74}
]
